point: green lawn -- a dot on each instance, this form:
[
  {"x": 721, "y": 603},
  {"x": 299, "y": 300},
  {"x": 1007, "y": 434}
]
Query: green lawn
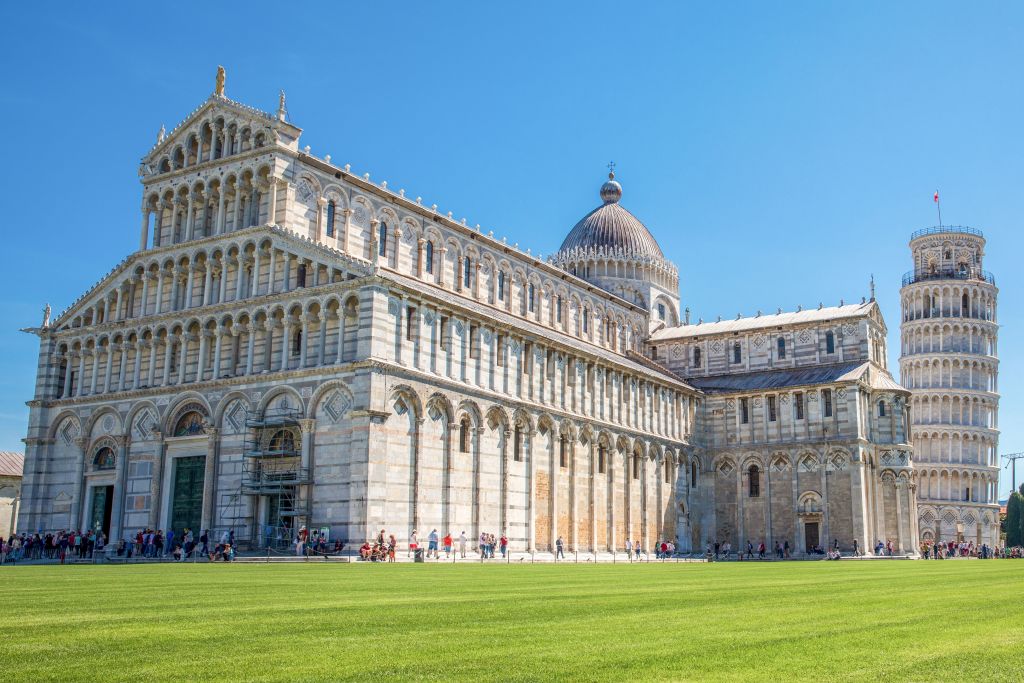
[{"x": 779, "y": 621}]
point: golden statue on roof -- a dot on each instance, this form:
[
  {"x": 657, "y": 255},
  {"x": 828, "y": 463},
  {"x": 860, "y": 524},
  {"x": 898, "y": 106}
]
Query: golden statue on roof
[{"x": 218, "y": 89}]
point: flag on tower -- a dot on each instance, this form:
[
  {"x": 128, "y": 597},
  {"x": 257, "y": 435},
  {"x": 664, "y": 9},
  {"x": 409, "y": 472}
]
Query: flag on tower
[{"x": 936, "y": 197}]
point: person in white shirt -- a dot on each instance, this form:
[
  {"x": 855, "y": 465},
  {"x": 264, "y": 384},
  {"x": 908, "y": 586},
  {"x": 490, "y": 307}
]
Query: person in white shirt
[{"x": 462, "y": 544}]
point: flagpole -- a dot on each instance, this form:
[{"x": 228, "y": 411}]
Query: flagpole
[{"x": 938, "y": 207}]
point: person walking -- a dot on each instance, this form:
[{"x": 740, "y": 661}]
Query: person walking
[
  {"x": 447, "y": 542},
  {"x": 432, "y": 544},
  {"x": 413, "y": 543},
  {"x": 856, "y": 548},
  {"x": 503, "y": 544},
  {"x": 559, "y": 549},
  {"x": 629, "y": 548}
]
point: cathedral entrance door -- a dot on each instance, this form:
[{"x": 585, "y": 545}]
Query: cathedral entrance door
[
  {"x": 810, "y": 535},
  {"x": 102, "y": 503},
  {"x": 187, "y": 496}
]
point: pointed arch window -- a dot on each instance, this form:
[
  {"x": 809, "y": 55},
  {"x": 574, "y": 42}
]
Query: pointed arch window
[
  {"x": 563, "y": 458},
  {"x": 428, "y": 257},
  {"x": 754, "y": 481},
  {"x": 830, "y": 342},
  {"x": 330, "y": 218},
  {"x": 693, "y": 474},
  {"x": 881, "y": 409},
  {"x": 382, "y": 239},
  {"x": 517, "y": 444},
  {"x": 602, "y": 457},
  {"x": 636, "y": 467},
  {"x": 668, "y": 472},
  {"x": 781, "y": 343}
]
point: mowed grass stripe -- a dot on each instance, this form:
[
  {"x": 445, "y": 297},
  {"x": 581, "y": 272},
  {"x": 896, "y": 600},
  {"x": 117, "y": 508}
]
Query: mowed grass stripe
[{"x": 786, "y": 621}]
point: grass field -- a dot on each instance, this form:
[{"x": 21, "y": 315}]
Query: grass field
[{"x": 782, "y": 621}]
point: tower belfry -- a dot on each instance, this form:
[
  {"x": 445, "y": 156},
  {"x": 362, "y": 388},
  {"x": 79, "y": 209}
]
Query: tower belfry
[{"x": 949, "y": 363}]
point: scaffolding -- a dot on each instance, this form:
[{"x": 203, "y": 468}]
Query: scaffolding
[{"x": 274, "y": 478}]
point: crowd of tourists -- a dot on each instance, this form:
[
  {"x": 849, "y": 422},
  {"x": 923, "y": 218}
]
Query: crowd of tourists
[
  {"x": 950, "y": 549},
  {"x": 85, "y": 545},
  {"x": 61, "y": 545}
]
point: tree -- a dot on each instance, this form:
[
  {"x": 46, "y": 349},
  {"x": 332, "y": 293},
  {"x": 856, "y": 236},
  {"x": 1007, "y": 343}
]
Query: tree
[{"x": 1014, "y": 531}]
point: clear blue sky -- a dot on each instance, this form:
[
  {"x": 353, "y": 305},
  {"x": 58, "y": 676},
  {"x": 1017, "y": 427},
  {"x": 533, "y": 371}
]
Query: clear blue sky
[{"x": 780, "y": 152}]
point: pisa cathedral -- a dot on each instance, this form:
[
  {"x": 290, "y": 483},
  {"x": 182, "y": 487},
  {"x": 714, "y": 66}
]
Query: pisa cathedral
[{"x": 293, "y": 345}]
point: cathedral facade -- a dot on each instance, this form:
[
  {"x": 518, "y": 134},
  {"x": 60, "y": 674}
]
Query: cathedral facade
[{"x": 293, "y": 345}]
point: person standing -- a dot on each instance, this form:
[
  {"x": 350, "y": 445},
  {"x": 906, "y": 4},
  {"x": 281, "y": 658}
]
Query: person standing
[
  {"x": 448, "y": 545},
  {"x": 856, "y": 548},
  {"x": 413, "y": 543},
  {"x": 462, "y": 545},
  {"x": 432, "y": 539},
  {"x": 503, "y": 543},
  {"x": 559, "y": 549}
]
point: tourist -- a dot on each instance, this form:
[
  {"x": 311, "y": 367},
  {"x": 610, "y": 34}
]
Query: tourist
[
  {"x": 750, "y": 550},
  {"x": 629, "y": 548},
  {"x": 559, "y": 551},
  {"x": 392, "y": 547},
  {"x": 503, "y": 544},
  {"x": 414, "y": 544},
  {"x": 856, "y": 548},
  {"x": 364, "y": 550},
  {"x": 432, "y": 543},
  {"x": 462, "y": 544},
  {"x": 447, "y": 543},
  {"x": 636, "y": 549},
  {"x": 760, "y": 551}
]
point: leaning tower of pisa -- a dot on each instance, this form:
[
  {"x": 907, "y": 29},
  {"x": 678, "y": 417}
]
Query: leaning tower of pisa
[{"x": 948, "y": 361}]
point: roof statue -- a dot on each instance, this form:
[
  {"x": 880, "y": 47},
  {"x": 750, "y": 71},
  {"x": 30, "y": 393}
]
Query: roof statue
[
  {"x": 46, "y": 316},
  {"x": 161, "y": 135},
  {"x": 218, "y": 88},
  {"x": 282, "y": 111}
]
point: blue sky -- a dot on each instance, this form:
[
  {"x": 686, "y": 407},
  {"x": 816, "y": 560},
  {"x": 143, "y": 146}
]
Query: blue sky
[{"x": 780, "y": 152}]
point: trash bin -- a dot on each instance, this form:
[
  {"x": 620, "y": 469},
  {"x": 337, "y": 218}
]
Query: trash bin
[{"x": 417, "y": 555}]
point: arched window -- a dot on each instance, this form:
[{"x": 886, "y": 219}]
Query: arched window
[
  {"x": 826, "y": 399},
  {"x": 428, "y": 257},
  {"x": 736, "y": 352},
  {"x": 330, "y": 218},
  {"x": 467, "y": 272},
  {"x": 297, "y": 342},
  {"x": 104, "y": 459},
  {"x": 586, "y": 321},
  {"x": 530, "y": 298},
  {"x": 661, "y": 311},
  {"x": 965, "y": 305},
  {"x": 464, "y": 435},
  {"x": 501, "y": 285},
  {"x": 602, "y": 456},
  {"x": 830, "y": 342},
  {"x": 189, "y": 424},
  {"x": 881, "y": 409},
  {"x": 283, "y": 441},
  {"x": 696, "y": 356},
  {"x": 300, "y": 275},
  {"x": 636, "y": 467},
  {"x": 517, "y": 444},
  {"x": 668, "y": 472},
  {"x": 382, "y": 239},
  {"x": 782, "y": 348},
  {"x": 693, "y": 474},
  {"x": 754, "y": 481}
]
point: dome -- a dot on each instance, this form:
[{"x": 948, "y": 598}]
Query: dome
[{"x": 610, "y": 227}]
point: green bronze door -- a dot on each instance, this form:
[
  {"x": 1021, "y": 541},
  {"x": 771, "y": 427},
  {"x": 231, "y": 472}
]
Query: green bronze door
[
  {"x": 187, "y": 501},
  {"x": 102, "y": 502}
]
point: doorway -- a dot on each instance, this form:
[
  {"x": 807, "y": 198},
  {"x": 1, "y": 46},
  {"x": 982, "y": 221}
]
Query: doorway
[
  {"x": 187, "y": 495},
  {"x": 99, "y": 512},
  {"x": 810, "y": 535}
]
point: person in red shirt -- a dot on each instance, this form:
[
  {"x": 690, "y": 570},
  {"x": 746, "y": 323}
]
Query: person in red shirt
[{"x": 447, "y": 541}]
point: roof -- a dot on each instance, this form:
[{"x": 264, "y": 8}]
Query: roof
[
  {"x": 764, "y": 321},
  {"x": 794, "y": 377},
  {"x": 11, "y": 464},
  {"x": 611, "y": 227}
]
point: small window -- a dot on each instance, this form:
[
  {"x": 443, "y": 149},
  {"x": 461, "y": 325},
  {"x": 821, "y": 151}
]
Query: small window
[
  {"x": 330, "y": 219},
  {"x": 467, "y": 272},
  {"x": 693, "y": 474},
  {"x": 428, "y": 257},
  {"x": 636, "y": 467},
  {"x": 601, "y": 456},
  {"x": 464, "y": 435},
  {"x": 382, "y": 239},
  {"x": 500, "y": 351},
  {"x": 771, "y": 409},
  {"x": 297, "y": 343},
  {"x": 781, "y": 343},
  {"x": 558, "y": 309},
  {"x": 696, "y": 356},
  {"x": 668, "y": 472},
  {"x": 501, "y": 285},
  {"x": 826, "y": 399},
  {"x": 443, "y": 332},
  {"x": 830, "y": 342},
  {"x": 967, "y": 493},
  {"x": 737, "y": 352},
  {"x": 586, "y": 321},
  {"x": 881, "y": 409},
  {"x": 474, "y": 341},
  {"x": 300, "y": 278},
  {"x": 661, "y": 311},
  {"x": 754, "y": 481},
  {"x": 410, "y": 323},
  {"x": 531, "y": 293},
  {"x": 563, "y": 460},
  {"x": 517, "y": 444},
  {"x": 798, "y": 405},
  {"x": 744, "y": 410}
]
